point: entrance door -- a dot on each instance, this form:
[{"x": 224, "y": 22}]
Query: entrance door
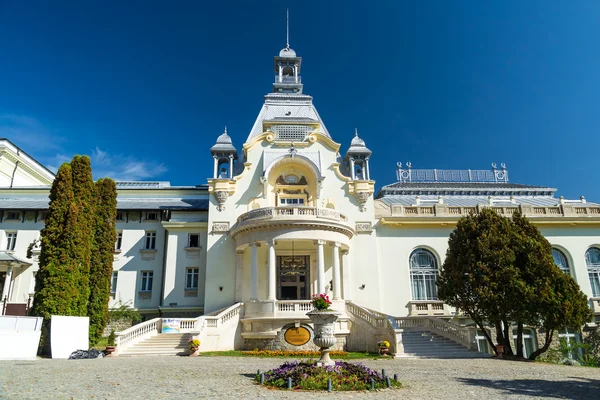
[{"x": 293, "y": 277}]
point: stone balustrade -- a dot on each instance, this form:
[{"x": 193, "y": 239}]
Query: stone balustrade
[
  {"x": 430, "y": 308},
  {"x": 267, "y": 213},
  {"x": 459, "y": 334},
  {"x": 443, "y": 210}
]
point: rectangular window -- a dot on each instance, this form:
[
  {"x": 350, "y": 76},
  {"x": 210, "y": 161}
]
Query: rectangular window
[
  {"x": 194, "y": 240},
  {"x": 152, "y": 216},
  {"x": 43, "y": 215},
  {"x": 120, "y": 216},
  {"x": 13, "y": 215},
  {"x": 119, "y": 241},
  {"x": 147, "y": 277},
  {"x": 11, "y": 240},
  {"x": 570, "y": 345},
  {"x": 191, "y": 278},
  {"x": 292, "y": 201},
  {"x": 113, "y": 281},
  {"x": 150, "y": 241}
]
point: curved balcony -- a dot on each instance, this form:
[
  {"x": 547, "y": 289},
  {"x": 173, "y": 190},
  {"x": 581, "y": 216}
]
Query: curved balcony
[{"x": 293, "y": 218}]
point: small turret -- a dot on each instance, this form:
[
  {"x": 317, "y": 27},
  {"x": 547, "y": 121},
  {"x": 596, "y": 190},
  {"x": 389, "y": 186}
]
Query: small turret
[
  {"x": 358, "y": 159},
  {"x": 223, "y": 153}
]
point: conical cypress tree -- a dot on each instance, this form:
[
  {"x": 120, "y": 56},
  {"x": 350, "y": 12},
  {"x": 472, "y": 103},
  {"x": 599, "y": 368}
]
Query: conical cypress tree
[
  {"x": 83, "y": 235},
  {"x": 102, "y": 256},
  {"x": 56, "y": 288}
]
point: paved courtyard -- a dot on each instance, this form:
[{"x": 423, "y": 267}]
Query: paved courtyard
[{"x": 231, "y": 378}]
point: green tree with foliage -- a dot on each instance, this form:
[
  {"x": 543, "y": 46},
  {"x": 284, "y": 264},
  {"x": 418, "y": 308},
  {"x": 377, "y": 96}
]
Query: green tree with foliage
[
  {"x": 57, "y": 280},
  {"x": 501, "y": 271},
  {"x": 85, "y": 201},
  {"x": 477, "y": 274},
  {"x": 102, "y": 257}
]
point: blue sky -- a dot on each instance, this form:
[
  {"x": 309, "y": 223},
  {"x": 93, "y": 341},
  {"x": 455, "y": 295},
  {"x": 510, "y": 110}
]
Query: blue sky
[{"x": 146, "y": 87}]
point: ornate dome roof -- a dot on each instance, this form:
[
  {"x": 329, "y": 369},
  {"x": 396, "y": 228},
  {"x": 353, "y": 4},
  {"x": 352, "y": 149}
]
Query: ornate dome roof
[
  {"x": 287, "y": 52},
  {"x": 357, "y": 142},
  {"x": 358, "y": 146},
  {"x": 224, "y": 144},
  {"x": 224, "y": 138}
]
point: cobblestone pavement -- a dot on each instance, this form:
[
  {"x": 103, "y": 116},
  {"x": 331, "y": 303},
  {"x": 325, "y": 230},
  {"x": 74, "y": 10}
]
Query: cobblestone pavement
[{"x": 153, "y": 377}]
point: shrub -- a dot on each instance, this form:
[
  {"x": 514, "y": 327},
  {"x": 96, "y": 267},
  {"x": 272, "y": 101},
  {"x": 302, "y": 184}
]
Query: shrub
[{"x": 110, "y": 341}]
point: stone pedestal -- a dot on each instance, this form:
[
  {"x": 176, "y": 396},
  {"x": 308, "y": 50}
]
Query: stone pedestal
[{"x": 324, "y": 333}]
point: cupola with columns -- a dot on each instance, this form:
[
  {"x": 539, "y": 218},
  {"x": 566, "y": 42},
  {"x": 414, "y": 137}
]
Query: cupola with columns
[
  {"x": 357, "y": 159},
  {"x": 222, "y": 183}
]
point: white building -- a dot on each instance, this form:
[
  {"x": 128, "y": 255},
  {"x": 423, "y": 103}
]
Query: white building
[{"x": 287, "y": 216}]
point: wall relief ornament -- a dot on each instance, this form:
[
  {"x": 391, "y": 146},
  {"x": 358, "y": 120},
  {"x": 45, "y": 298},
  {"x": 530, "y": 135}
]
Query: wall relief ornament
[
  {"x": 364, "y": 227},
  {"x": 221, "y": 196},
  {"x": 362, "y": 198},
  {"x": 220, "y": 227}
]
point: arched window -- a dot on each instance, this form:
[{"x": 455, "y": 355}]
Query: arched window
[
  {"x": 561, "y": 261},
  {"x": 423, "y": 275},
  {"x": 592, "y": 260}
]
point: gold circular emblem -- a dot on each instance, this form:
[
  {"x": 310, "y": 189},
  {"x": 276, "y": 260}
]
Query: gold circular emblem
[{"x": 297, "y": 336}]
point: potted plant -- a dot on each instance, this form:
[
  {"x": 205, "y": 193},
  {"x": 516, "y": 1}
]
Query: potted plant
[
  {"x": 384, "y": 347},
  {"x": 110, "y": 344},
  {"x": 194, "y": 346},
  {"x": 323, "y": 319}
]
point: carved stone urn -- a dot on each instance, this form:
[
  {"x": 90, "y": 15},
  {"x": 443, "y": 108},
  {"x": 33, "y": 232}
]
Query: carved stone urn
[{"x": 324, "y": 322}]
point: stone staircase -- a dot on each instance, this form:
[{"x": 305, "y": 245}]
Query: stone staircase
[
  {"x": 425, "y": 344},
  {"x": 170, "y": 344}
]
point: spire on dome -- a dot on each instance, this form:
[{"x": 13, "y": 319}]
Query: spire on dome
[{"x": 287, "y": 67}]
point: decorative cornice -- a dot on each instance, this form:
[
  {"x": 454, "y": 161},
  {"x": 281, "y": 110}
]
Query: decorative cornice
[{"x": 184, "y": 225}]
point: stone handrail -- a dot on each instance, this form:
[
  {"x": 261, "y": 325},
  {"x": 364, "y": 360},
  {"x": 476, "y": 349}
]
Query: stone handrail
[
  {"x": 137, "y": 333},
  {"x": 295, "y": 212},
  {"x": 459, "y": 334},
  {"x": 378, "y": 321},
  {"x": 443, "y": 210},
  {"x": 214, "y": 321}
]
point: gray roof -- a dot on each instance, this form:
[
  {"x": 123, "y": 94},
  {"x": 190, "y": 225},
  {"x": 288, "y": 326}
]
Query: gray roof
[
  {"x": 464, "y": 189},
  {"x": 287, "y": 107},
  {"x": 122, "y": 204},
  {"x": 7, "y": 257}
]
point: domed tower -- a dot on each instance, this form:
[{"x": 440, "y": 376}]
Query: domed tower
[
  {"x": 223, "y": 153},
  {"x": 287, "y": 72},
  {"x": 358, "y": 159}
]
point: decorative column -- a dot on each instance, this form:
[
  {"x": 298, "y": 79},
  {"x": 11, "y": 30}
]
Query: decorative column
[
  {"x": 272, "y": 274},
  {"x": 320, "y": 267},
  {"x": 239, "y": 268},
  {"x": 254, "y": 271},
  {"x": 368, "y": 174},
  {"x": 336, "y": 271},
  {"x": 352, "y": 168},
  {"x": 216, "y": 167},
  {"x": 231, "y": 166},
  {"x": 6, "y": 287},
  {"x": 346, "y": 268}
]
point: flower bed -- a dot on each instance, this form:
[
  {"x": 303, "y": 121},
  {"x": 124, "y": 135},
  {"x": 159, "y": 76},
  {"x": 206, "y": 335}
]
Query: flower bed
[{"x": 307, "y": 376}]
